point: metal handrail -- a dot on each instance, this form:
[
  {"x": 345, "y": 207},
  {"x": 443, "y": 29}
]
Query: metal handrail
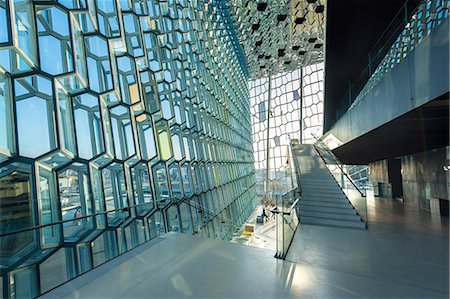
[
  {"x": 297, "y": 169},
  {"x": 345, "y": 174},
  {"x": 381, "y": 47},
  {"x": 338, "y": 165},
  {"x": 385, "y": 45},
  {"x": 288, "y": 212},
  {"x": 202, "y": 209},
  {"x": 285, "y": 214},
  {"x": 282, "y": 252},
  {"x": 124, "y": 209}
]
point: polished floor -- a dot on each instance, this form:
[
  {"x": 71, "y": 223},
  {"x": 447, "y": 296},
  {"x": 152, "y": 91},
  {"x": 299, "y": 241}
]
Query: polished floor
[
  {"x": 404, "y": 254},
  {"x": 403, "y": 246}
]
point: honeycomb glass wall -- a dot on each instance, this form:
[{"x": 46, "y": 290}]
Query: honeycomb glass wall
[
  {"x": 119, "y": 121},
  {"x": 296, "y": 112}
]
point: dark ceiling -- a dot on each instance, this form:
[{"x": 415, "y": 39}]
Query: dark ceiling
[
  {"x": 419, "y": 130},
  {"x": 353, "y": 28}
]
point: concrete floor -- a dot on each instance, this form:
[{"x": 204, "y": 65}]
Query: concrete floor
[{"x": 404, "y": 254}]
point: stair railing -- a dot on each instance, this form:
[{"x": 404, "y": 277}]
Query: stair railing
[
  {"x": 287, "y": 217},
  {"x": 287, "y": 222},
  {"x": 337, "y": 162},
  {"x": 324, "y": 147}
]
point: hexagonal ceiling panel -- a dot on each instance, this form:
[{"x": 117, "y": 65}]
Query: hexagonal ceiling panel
[{"x": 279, "y": 35}]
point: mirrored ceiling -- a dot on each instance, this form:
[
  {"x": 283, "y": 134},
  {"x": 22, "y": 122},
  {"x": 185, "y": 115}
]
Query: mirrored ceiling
[{"x": 279, "y": 35}]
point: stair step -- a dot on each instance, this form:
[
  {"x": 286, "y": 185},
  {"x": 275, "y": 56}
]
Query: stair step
[
  {"x": 325, "y": 199},
  {"x": 323, "y": 183},
  {"x": 329, "y": 182},
  {"x": 321, "y": 209},
  {"x": 332, "y": 222},
  {"x": 318, "y": 194},
  {"x": 323, "y": 202},
  {"x": 336, "y": 205},
  {"x": 325, "y": 188},
  {"x": 311, "y": 180},
  {"x": 322, "y": 195},
  {"x": 306, "y": 172},
  {"x": 348, "y": 217},
  {"x": 316, "y": 179}
]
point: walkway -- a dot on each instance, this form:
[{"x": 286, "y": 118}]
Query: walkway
[
  {"x": 404, "y": 254},
  {"x": 404, "y": 249}
]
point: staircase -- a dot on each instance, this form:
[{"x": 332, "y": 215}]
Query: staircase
[{"x": 323, "y": 202}]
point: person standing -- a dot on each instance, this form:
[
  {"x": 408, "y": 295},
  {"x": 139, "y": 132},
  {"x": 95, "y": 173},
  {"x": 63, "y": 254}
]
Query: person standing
[{"x": 264, "y": 215}]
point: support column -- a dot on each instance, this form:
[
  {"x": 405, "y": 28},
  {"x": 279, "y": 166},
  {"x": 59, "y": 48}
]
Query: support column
[
  {"x": 268, "y": 136},
  {"x": 301, "y": 105}
]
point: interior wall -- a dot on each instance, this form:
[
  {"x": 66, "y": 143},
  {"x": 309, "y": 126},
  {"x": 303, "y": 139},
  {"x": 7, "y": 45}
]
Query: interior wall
[
  {"x": 425, "y": 182},
  {"x": 378, "y": 175}
]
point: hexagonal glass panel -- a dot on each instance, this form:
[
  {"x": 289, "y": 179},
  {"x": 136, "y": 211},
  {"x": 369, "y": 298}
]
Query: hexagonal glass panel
[
  {"x": 178, "y": 150},
  {"x": 156, "y": 224},
  {"x": 186, "y": 177},
  {"x": 53, "y": 271},
  {"x": 164, "y": 142},
  {"x": 16, "y": 200},
  {"x": 25, "y": 28},
  {"x": 65, "y": 122},
  {"x": 196, "y": 213},
  {"x": 88, "y": 124},
  {"x": 23, "y": 283},
  {"x": 122, "y": 132},
  {"x": 115, "y": 193},
  {"x": 76, "y": 201},
  {"x": 146, "y": 137},
  {"x": 186, "y": 220},
  {"x": 162, "y": 190},
  {"x": 84, "y": 258},
  {"x": 107, "y": 18},
  {"x": 55, "y": 48},
  {"x": 176, "y": 181},
  {"x": 149, "y": 91},
  {"x": 104, "y": 247},
  {"x": 98, "y": 64},
  {"x": 142, "y": 189},
  {"x": 128, "y": 80},
  {"x": 7, "y": 147},
  {"x": 48, "y": 206},
  {"x": 4, "y": 34},
  {"x": 35, "y": 116},
  {"x": 173, "y": 219},
  {"x": 132, "y": 34}
]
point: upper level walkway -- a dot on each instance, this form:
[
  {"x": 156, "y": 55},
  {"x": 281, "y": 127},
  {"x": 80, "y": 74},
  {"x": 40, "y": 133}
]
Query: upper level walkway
[{"x": 406, "y": 108}]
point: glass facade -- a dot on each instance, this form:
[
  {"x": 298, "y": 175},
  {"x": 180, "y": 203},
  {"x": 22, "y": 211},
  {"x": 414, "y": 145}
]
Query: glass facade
[
  {"x": 119, "y": 121},
  {"x": 295, "y": 111}
]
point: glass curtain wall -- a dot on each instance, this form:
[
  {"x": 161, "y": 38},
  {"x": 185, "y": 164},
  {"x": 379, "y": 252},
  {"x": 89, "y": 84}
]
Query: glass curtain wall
[
  {"x": 295, "y": 111},
  {"x": 119, "y": 121}
]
